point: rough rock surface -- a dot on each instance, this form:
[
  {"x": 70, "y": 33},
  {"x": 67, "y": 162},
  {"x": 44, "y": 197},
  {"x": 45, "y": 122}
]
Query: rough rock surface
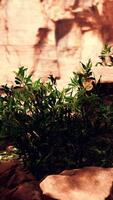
[
  {"x": 16, "y": 183},
  {"x": 52, "y": 36},
  {"x": 91, "y": 183}
]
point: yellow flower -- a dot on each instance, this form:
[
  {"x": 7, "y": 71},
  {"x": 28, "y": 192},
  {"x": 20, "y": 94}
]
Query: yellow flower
[{"x": 88, "y": 84}]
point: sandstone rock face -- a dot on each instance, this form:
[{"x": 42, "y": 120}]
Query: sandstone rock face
[
  {"x": 51, "y": 37},
  {"x": 16, "y": 183},
  {"x": 92, "y": 183}
]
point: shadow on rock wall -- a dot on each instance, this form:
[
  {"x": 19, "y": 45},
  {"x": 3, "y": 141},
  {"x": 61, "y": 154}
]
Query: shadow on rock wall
[{"x": 52, "y": 37}]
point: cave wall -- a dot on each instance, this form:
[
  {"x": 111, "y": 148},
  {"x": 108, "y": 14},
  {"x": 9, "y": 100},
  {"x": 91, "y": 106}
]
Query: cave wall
[{"x": 52, "y": 36}]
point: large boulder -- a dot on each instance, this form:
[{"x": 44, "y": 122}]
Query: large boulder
[{"x": 90, "y": 183}]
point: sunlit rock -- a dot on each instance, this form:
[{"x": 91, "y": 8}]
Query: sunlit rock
[
  {"x": 52, "y": 37},
  {"x": 90, "y": 183}
]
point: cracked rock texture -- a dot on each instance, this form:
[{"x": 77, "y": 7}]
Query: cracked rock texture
[{"x": 52, "y": 36}]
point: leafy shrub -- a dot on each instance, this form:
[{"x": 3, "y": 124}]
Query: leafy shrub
[
  {"x": 106, "y": 57},
  {"x": 53, "y": 129}
]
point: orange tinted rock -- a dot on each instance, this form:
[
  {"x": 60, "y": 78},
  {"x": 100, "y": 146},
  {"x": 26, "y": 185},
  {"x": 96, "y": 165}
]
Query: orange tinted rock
[
  {"x": 90, "y": 183},
  {"x": 51, "y": 37},
  {"x": 16, "y": 183}
]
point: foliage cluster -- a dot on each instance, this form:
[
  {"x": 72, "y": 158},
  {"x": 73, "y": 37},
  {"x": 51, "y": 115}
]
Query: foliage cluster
[{"x": 53, "y": 129}]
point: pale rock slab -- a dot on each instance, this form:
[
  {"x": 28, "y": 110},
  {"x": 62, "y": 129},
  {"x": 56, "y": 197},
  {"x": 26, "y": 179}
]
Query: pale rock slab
[{"x": 91, "y": 183}]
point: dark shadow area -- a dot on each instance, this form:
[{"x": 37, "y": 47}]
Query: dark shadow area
[
  {"x": 107, "y": 33},
  {"x": 106, "y": 88},
  {"x": 110, "y": 197},
  {"x": 46, "y": 197},
  {"x": 42, "y": 34},
  {"x": 89, "y": 18},
  {"x": 63, "y": 27},
  {"x": 41, "y": 38}
]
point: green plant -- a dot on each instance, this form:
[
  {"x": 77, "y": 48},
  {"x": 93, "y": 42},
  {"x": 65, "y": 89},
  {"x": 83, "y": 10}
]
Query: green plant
[
  {"x": 53, "y": 129},
  {"x": 106, "y": 57}
]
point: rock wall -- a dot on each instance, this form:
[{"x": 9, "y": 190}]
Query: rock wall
[{"x": 52, "y": 36}]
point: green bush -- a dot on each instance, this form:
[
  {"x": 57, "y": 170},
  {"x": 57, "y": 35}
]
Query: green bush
[{"x": 53, "y": 129}]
